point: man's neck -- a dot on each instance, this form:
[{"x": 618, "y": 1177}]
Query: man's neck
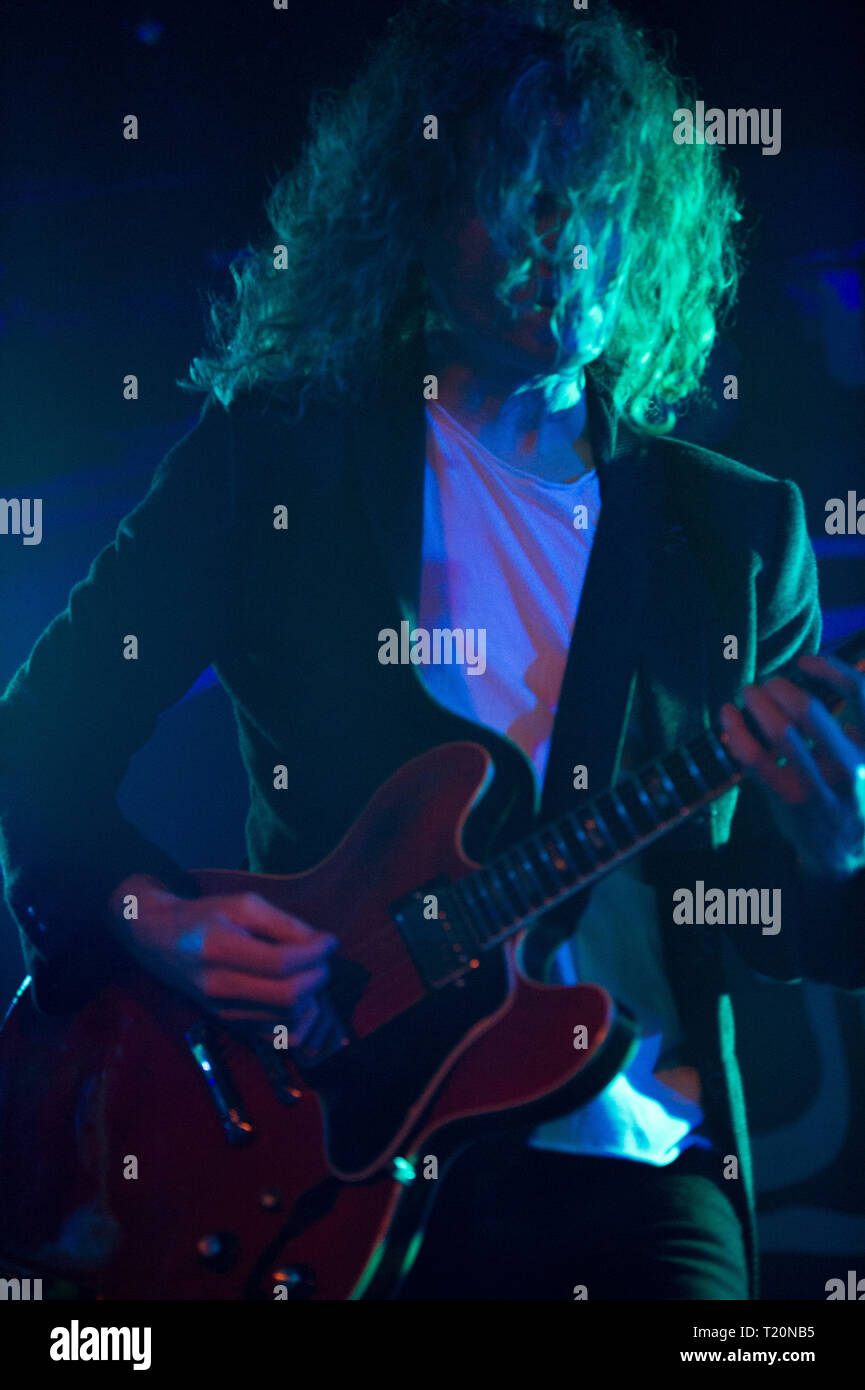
[{"x": 518, "y": 429}]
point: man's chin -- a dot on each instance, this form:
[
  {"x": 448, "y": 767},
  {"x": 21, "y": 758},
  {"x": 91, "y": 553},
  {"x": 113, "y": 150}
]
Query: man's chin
[
  {"x": 512, "y": 353},
  {"x": 524, "y": 349}
]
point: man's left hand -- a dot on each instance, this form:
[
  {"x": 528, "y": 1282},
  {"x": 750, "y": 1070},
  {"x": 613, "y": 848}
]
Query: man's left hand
[{"x": 813, "y": 770}]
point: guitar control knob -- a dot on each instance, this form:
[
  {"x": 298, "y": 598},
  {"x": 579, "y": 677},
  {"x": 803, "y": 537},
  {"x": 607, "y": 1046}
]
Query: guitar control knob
[
  {"x": 219, "y": 1250},
  {"x": 298, "y": 1281},
  {"x": 270, "y": 1198},
  {"x": 403, "y": 1170}
]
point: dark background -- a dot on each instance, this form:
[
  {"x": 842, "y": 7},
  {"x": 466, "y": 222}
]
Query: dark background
[{"x": 108, "y": 247}]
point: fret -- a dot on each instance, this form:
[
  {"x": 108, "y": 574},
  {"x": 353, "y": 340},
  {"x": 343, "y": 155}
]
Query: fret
[
  {"x": 687, "y": 788},
  {"x": 500, "y": 886},
  {"x": 562, "y": 849},
  {"x": 631, "y": 830},
  {"x": 548, "y": 869},
  {"x": 620, "y": 832},
  {"x": 521, "y": 897},
  {"x": 720, "y": 753},
  {"x": 693, "y": 770},
  {"x": 534, "y": 867},
  {"x": 481, "y": 890},
  {"x": 580, "y": 842},
  {"x": 607, "y": 837},
  {"x": 456, "y": 913},
  {"x": 701, "y": 752},
  {"x": 523, "y": 863},
  {"x": 473, "y": 914},
  {"x": 648, "y": 806},
  {"x": 591, "y": 837},
  {"x": 669, "y": 785},
  {"x": 641, "y": 811},
  {"x": 671, "y": 797},
  {"x": 483, "y": 905}
]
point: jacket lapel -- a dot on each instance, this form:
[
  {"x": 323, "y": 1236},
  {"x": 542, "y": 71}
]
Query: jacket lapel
[
  {"x": 388, "y": 450},
  {"x": 678, "y": 665}
]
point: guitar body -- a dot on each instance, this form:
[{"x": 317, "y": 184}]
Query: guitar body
[{"x": 148, "y": 1151}]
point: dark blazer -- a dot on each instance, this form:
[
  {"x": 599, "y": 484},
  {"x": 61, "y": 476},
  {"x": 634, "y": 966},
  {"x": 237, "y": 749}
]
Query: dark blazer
[{"x": 690, "y": 548}]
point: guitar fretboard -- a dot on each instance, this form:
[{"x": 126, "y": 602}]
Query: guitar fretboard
[
  {"x": 572, "y": 852},
  {"x": 579, "y": 847}
]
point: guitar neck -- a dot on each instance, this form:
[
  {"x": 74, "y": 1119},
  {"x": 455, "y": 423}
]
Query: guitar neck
[{"x": 573, "y": 851}]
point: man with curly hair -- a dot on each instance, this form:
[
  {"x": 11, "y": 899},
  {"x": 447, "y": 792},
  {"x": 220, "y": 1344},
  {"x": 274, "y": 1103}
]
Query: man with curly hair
[{"x": 496, "y": 274}]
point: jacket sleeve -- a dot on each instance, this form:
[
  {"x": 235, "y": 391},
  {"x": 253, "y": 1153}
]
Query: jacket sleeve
[
  {"x": 134, "y": 636},
  {"x": 822, "y": 936}
]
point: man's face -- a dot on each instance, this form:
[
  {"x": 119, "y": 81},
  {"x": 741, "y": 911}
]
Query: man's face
[{"x": 464, "y": 268}]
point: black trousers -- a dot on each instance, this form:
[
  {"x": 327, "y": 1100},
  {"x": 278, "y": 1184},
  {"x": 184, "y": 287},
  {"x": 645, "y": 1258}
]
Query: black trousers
[{"x": 511, "y": 1222}]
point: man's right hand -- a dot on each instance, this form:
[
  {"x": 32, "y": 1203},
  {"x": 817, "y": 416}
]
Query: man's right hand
[{"x": 236, "y": 955}]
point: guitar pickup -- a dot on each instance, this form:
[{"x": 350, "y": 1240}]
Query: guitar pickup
[{"x": 437, "y": 945}]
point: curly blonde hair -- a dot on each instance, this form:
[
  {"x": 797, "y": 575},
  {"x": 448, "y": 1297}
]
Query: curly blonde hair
[{"x": 581, "y": 109}]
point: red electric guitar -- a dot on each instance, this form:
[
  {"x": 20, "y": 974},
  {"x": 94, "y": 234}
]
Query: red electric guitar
[{"x": 149, "y": 1151}]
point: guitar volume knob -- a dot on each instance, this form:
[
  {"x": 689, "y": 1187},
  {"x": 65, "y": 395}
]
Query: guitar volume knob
[
  {"x": 298, "y": 1281},
  {"x": 218, "y": 1250}
]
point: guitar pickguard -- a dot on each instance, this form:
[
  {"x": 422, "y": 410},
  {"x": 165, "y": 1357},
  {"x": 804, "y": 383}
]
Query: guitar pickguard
[{"x": 368, "y": 1090}]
